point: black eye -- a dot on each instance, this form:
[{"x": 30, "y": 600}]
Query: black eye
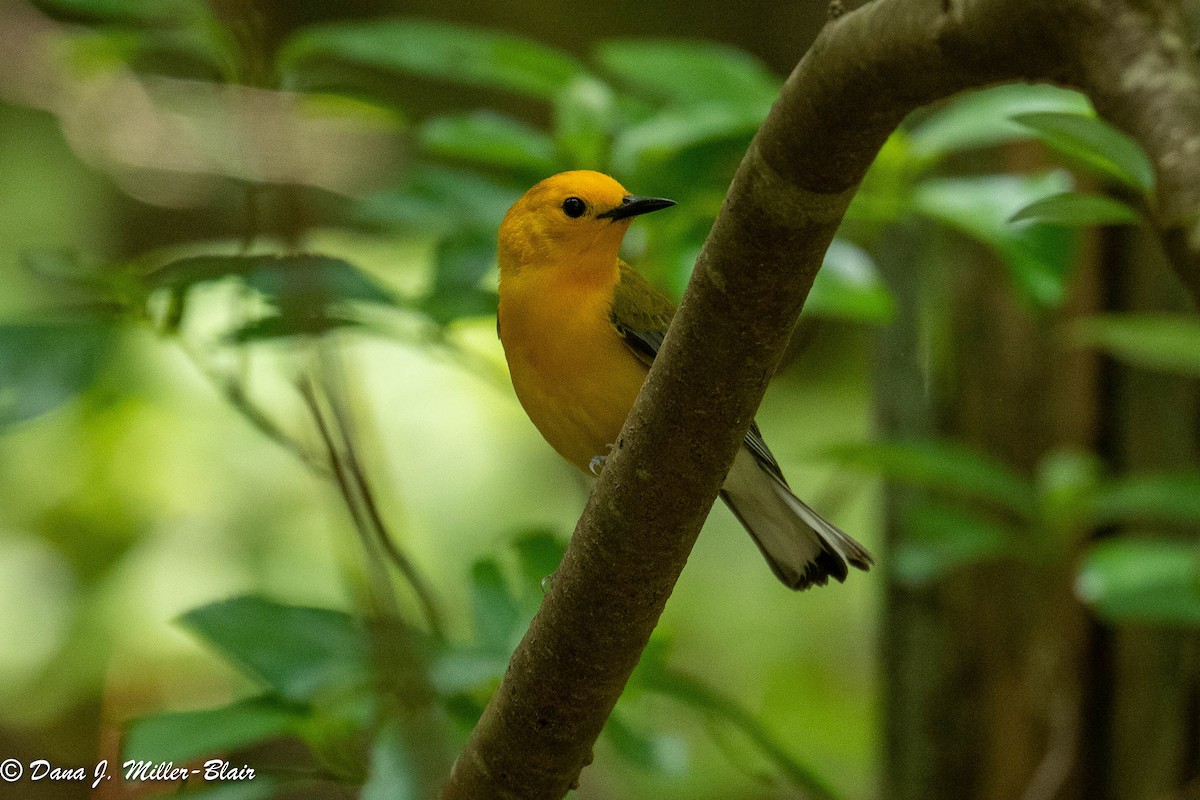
[{"x": 574, "y": 207}]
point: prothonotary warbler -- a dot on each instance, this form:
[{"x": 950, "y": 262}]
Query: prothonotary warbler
[{"x": 580, "y": 329}]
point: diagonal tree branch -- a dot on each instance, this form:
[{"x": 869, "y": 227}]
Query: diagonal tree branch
[{"x": 863, "y": 75}]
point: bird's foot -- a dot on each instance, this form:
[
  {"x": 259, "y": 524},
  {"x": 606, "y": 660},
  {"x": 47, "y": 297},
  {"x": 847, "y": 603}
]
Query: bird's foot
[{"x": 597, "y": 462}]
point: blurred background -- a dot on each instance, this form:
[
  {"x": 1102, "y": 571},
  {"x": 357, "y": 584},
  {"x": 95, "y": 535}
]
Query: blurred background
[{"x": 266, "y": 494}]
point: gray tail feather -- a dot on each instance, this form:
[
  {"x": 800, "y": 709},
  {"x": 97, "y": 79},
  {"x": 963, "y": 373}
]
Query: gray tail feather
[{"x": 802, "y": 547}]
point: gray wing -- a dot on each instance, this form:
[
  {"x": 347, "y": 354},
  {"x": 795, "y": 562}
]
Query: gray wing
[{"x": 645, "y": 344}]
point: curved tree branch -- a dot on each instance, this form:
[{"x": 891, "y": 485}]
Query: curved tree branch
[
  {"x": 1139, "y": 68},
  {"x": 863, "y": 75}
]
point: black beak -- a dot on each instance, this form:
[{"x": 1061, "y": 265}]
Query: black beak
[{"x": 632, "y": 205}]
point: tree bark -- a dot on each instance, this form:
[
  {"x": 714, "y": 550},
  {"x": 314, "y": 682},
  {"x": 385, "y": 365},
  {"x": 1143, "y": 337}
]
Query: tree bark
[
  {"x": 1137, "y": 63},
  {"x": 862, "y": 76}
]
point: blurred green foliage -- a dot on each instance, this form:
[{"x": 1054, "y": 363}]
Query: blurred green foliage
[
  {"x": 222, "y": 302},
  {"x": 670, "y": 117}
]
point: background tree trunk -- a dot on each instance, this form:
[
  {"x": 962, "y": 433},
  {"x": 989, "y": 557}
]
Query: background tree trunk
[
  {"x": 983, "y": 665},
  {"x": 999, "y": 684},
  {"x": 1153, "y": 698}
]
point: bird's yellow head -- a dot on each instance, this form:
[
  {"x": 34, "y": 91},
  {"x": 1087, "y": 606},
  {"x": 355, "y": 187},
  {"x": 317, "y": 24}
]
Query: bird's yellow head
[{"x": 573, "y": 218}]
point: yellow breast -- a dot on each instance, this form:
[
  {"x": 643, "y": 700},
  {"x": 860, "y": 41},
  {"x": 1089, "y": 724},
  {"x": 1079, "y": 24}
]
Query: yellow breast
[{"x": 571, "y": 370}]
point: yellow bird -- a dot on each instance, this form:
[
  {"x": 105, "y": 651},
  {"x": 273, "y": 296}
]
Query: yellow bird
[{"x": 580, "y": 329}]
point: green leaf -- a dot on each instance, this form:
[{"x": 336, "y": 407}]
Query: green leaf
[
  {"x": 694, "y": 694},
  {"x": 370, "y": 115},
  {"x": 263, "y": 787},
  {"x": 307, "y": 277},
  {"x": 1071, "y": 209},
  {"x": 942, "y": 466},
  {"x": 691, "y": 73},
  {"x": 173, "y": 39},
  {"x": 585, "y": 115},
  {"x": 1171, "y": 498},
  {"x": 1142, "y": 581},
  {"x": 884, "y": 197},
  {"x": 444, "y": 307},
  {"x": 942, "y": 539},
  {"x": 311, "y": 281},
  {"x": 1151, "y": 341},
  {"x": 194, "y": 52},
  {"x": 302, "y": 287},
  {"x": 440, "y": 200},
  {"x": 278, "y": 326},
  {"x": 186, "y": 272},
  {"x": 299, "y": 652},
  {"x": 538, "y": 553},
  {"x": 1066, "y": 484},
  {"x": 673, "y": 131},
  {"x": 984, "y": 118},
  {"x": 392, "y": 775},
  {"x": 655, "y": 753},
  {"x": 45, "y": 364},
  {"x": 1038, "y": 257},
  {"x": 463, "y": 260},
  {"x": 492, "y": 139},
  {"x": 464, "y": 710},
  {"x": 653, "y": 663},
  {"x": 1093, "y": 143},
  {"x": 338, "y": 732},
  {"x": 848, "y": 286},
  {"x": 190, "y": 735},
  {"x": 456, "y": 53},
  {"x": 497, "y": 615},
  {"x": 459, "y": 671},
  {"x": 68, "y": 271},
  {"x": 143, "y": 12}
]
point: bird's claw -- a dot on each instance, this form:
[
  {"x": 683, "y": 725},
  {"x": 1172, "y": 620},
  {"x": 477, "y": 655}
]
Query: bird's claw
[{"x": 597, "y": 462}]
